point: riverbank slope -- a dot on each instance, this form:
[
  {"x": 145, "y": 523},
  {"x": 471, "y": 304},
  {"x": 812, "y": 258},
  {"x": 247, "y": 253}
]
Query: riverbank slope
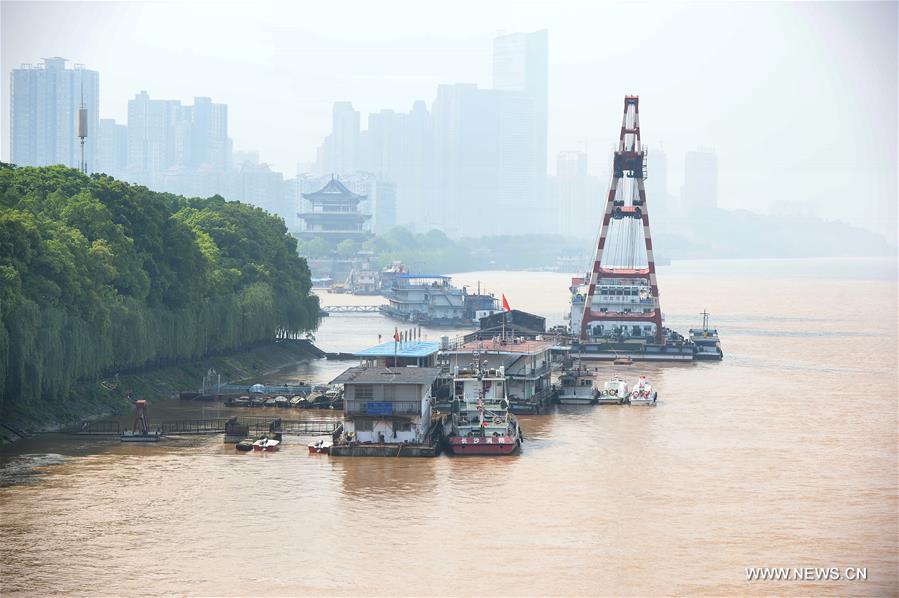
[{"x": 107, "y": 396}]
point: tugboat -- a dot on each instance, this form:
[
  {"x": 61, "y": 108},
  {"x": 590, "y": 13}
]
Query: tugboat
[
  {"x": 705, "y": 341},
  {"x": 481, "y": 421},
  {"x": 576, "y": 387},
  {"x": 613, "y": 393},
  {"x": 643, "y": 393}
]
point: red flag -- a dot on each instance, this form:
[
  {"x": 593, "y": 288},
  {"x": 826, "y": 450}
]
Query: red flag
[
  {"x": 396, "y": 334},
  {"x": 506, "y": 303}
]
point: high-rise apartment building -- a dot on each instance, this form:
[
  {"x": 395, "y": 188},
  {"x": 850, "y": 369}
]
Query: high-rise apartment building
[
  {"x": 111, "y": 148},
  {"x": 520, "y": 63},
  {"x": 576, "y": 197},
  {"x": 173, "y": 144},
  {"x": 657, "y": 194},
  {"x": 700, "y": 190},
  {"x": 339, "y": 154},
  {"x": 44, "y": 102}
]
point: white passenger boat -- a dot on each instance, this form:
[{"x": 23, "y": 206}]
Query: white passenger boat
[
  {"x": 614, "y": 392},
  {"x": 643, "y": 393}
]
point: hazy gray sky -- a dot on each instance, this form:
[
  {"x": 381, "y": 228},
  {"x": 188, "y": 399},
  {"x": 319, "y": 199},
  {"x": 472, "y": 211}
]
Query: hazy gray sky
[{"x": 799, "y": 100}]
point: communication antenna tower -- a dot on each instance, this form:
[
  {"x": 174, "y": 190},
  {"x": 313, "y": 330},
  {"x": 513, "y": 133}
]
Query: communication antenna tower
[{"x": 82, "y": 125}]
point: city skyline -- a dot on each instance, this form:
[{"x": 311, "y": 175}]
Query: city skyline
[{"x": 317, "y": 67}]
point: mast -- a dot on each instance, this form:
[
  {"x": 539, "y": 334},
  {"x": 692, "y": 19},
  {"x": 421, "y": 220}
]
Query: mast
[{"x": 82, "y": 125}]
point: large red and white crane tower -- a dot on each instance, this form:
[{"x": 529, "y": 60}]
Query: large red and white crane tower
[{"x": 622, "y": 295}]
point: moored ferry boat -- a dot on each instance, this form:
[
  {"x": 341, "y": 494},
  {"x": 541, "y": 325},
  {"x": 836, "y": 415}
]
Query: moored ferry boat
[
  {"x": 481, "y": 423},
  {"x": 431, "y": 299},
  {"x": 576, "y": 387},
  {"x": 643, "y": 393},
  {"x": 614, "y": 392}
]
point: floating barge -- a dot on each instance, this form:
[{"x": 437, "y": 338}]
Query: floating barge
[
  {"x": 354, "y": 449},
  {"x": 387, "y": 413}
]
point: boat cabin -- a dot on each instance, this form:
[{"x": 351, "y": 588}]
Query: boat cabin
[{"x": 526, "y": 364}]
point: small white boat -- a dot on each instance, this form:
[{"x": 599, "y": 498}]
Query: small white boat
[
  {"x": 643, "y": 393},
  {"x": 322, "y": 446},
  {"x": 266, "y": 444},
  {"x": 614, "y": 392}
]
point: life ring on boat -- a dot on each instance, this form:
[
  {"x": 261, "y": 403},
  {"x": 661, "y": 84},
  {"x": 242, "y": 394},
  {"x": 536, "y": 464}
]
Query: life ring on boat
[
  {"x": 497, "y": 420},
  {"x": 635, "y": 394},
  {"x": 613, "y": 392}
]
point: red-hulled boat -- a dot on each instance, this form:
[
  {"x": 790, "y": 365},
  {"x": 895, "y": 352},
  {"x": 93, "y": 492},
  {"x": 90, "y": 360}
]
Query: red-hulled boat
[{"x": 481, "y": 421}]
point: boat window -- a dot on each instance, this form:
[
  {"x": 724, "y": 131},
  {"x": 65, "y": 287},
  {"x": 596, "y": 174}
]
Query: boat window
[
  {"x": 364, "y": 392},
  {"x": 363, "y": 425}
]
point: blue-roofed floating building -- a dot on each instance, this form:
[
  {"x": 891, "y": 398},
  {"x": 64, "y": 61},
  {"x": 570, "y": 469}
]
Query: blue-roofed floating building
[
  {"x": 432, "y": 299},
  {"x": 402, "y": 354}
]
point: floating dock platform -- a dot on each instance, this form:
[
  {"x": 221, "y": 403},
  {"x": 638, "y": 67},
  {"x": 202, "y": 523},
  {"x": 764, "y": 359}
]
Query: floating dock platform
[{"x": 355, "y": 449}]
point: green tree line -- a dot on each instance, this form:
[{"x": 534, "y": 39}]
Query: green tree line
[
  {"x": 434, "y": 252},
  {"x": 99, "y": 276}
]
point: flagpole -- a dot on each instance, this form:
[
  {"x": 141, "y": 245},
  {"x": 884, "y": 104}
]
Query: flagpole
[{"x": 396, "y": 339}]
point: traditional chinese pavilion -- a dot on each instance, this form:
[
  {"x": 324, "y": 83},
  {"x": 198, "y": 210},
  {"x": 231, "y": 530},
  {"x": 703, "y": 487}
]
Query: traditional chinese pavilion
[{"x": 334, "y": 214}]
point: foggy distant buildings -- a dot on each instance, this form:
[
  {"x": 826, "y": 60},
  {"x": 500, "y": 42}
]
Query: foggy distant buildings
[
  {"x": 520, "y": 64},
  {"x": 700, "y": 191},
  {"x": 658, "y": 198},
  {"x": 111, "y": 149},
  {"x": 340, "y": 151},
  {"x": 474, "y": 164},
  {"x": 576, "y": 196},
  {"x": 168, "y": 138},
  {"x": 44, "y": 102}
]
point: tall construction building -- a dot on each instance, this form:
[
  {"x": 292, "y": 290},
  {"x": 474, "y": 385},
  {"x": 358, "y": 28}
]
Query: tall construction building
[{"x": 44, "y": 102}]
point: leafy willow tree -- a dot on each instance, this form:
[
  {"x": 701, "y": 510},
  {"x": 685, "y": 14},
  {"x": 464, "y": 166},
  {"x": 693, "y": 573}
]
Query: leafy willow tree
[{"x": 97, "y": 276}]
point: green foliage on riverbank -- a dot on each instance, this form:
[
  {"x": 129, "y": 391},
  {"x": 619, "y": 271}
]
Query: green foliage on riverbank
[
  {"x": 434, "y": 252},
  {"x": 98, "y": 276}
]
